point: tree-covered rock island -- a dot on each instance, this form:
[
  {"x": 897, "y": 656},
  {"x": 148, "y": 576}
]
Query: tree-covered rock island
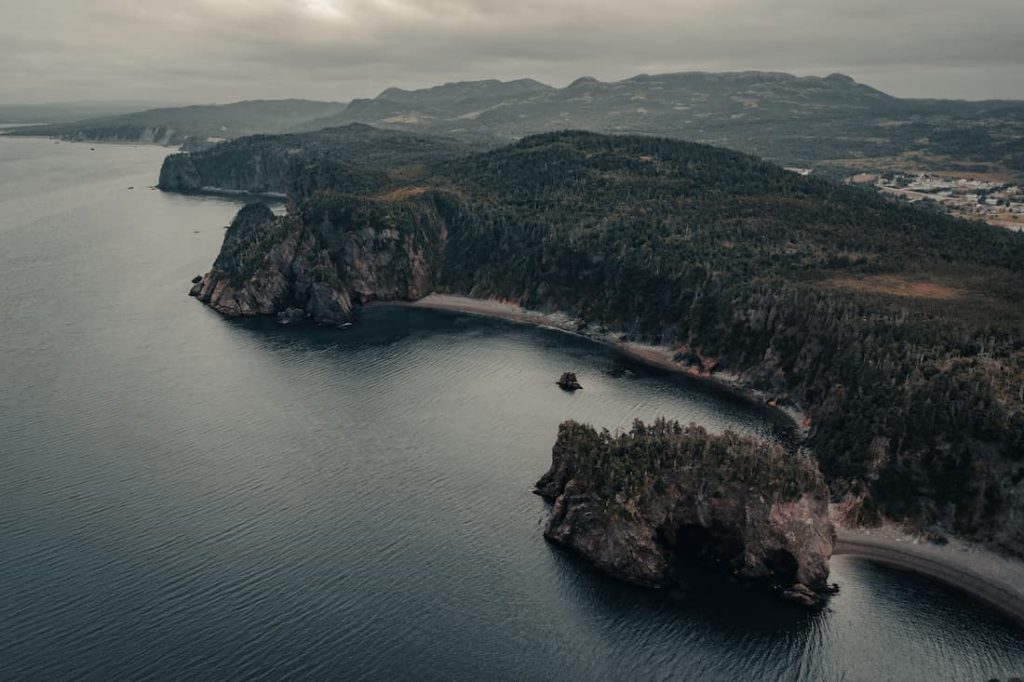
[
  {"x": 897, "y": 331},
  {"x": 646, "y": 505}
]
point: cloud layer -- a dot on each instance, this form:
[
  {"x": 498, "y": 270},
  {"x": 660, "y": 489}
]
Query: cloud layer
[{"x": 222, "y": 50}]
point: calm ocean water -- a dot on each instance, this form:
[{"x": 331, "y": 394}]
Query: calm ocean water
[{"x": 187, "y": 497}]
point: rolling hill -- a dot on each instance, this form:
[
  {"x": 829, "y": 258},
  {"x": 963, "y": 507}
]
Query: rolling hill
[{"x": 263, "y": 164}]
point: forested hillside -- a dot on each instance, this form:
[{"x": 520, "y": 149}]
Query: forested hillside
[
  {"x": 265, "y": 163},
  {"x": 808, "y": 120},
  {"x": 197, "y": 124},
  {"x": 899, "y": 332}
]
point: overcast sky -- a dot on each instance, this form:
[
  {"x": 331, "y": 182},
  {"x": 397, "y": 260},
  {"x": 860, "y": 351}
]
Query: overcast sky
[{"x": 224, "y": 50}]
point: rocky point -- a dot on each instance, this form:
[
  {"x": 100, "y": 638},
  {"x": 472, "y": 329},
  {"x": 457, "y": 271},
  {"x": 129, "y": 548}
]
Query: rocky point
[{"x": 647, "y": 505}]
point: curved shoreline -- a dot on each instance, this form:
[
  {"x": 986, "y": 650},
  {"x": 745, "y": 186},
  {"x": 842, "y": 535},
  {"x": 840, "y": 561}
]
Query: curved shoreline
[
  {"x": 658, "y": 357},
  {"x": 993, "y": 579},
  {"x": 996, "y": 580}
]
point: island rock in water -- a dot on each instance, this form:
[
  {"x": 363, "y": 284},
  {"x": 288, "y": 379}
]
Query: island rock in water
[
  {"x": 569, "y": 382},
  {"x": 646, "y": 505}
]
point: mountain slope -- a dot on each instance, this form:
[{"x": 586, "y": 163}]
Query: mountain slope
[
  {"x": 173, "y": 126},
  {"x": 898, "y": 331},
  {"x": 465, "y": 91},
  {"x": 65, "y": 112},
  {"x": 789, "y": 119},
  {"x": 264, "y": 163}
]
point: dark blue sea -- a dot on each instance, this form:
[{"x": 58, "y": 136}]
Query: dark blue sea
[{"x": 185, "y": 497}]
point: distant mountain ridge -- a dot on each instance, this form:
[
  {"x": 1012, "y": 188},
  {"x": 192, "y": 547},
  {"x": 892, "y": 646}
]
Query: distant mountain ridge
[
  {"x": 825, "y": 121},
  {"x": 465, "y": 89},
  {"x": 63, "y": 112},
  {"x": 176, "y": 125},
  {"x": 642, "y": 101},
  {"x": 786, "y": 118}
]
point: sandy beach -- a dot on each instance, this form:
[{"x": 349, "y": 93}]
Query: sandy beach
[
  {"x": 655, "y": 356},
  {"x": 995, "y": 579}
]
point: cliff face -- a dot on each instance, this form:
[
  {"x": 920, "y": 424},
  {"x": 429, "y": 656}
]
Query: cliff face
[
  {"x": 648, "y": 505},
  {"x": 156, "y": 134},
  {"x": 179, "y": 173},
  {"x": 251, "y": 171},
  {"x": 315, "y": 265}
]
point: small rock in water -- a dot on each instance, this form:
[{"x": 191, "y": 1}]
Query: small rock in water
[
  {"x": 569, "y": 382},
  {"x": 132, "y": 187},
  {"x": 197, "y": 279}
]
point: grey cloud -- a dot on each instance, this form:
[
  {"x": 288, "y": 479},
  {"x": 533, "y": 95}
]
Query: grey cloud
[{"x": 218, "y": 50}]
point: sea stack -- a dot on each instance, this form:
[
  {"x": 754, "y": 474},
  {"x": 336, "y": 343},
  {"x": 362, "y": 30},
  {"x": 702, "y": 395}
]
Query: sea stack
[
  {"x": 652, "y": 504},
  {"x": 569, "y": 382}
]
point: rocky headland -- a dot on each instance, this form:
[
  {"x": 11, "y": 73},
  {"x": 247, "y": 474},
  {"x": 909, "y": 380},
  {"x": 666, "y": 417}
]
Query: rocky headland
[
  {"x": 289, "y": 267},
  {"x": 648, "y": 505}
]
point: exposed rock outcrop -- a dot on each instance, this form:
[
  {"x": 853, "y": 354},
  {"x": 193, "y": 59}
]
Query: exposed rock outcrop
[
  {"x": 569, "y": 382},
  {"x": 178, "y": 172},
  {"x": 645, "y": 505},
  {"x": 319, "y": 263},
  {"x": 230, "y": 170}
]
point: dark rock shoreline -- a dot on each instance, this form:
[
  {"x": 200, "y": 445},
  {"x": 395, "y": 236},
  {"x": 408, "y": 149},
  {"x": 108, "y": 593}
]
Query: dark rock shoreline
[
  {"x": 646, "y": 506},
  {"x": 274, "y": 265}
]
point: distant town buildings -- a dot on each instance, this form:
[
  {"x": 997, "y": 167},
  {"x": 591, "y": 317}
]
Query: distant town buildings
[{"x": 998, "y": 203}]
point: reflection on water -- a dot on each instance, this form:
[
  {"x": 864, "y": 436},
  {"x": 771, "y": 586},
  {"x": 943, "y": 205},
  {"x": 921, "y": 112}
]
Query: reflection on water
[{"x": 186, "y": 497}]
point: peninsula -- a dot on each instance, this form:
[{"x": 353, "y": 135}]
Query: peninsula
[{"x": 896, "y": 332}]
